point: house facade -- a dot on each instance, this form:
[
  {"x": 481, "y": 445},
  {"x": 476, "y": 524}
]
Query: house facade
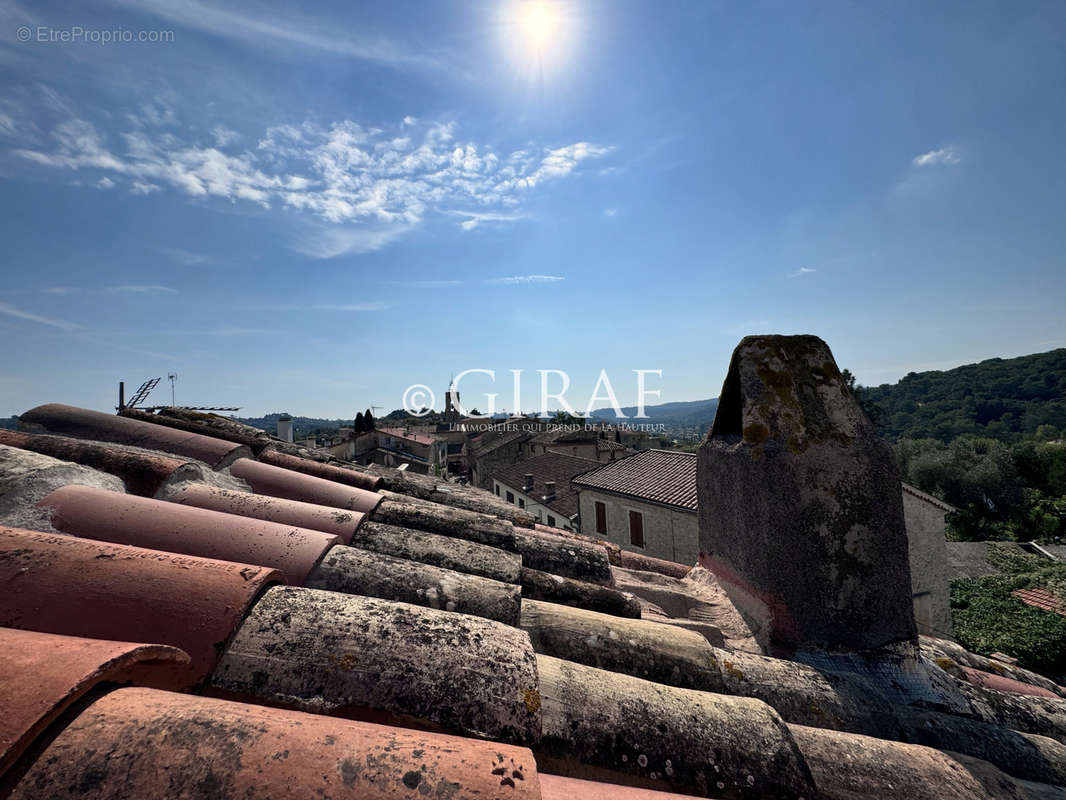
[{"x": 645, "y": 503}]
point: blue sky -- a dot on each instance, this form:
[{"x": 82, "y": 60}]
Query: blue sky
[{"x": 310, "y": 207}]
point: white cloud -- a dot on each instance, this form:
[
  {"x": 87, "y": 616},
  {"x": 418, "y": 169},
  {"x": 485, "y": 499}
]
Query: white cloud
[
  {"x": 945, "y": 155},
  {"x": 516, "y": 280},
  {"x": 224, "y": 136},
  {"x": 12, "y": 311},
  {"x": 139, "y": 290},
  {"x": 105, "y": 183},
  {"x": 373, "y": 184},
  {"x": 186, "y": 257},
  {"x": 474, "y": 219},
  {"x": 610, "y": 212},
  {"x": 802, "y": 271},
  {"x": 122, "y": 289}
]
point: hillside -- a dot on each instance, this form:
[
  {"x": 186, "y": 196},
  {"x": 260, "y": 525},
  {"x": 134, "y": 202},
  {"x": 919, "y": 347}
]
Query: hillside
[
  {"x": 690, "y": 414},
  {"x": 1003, "y": 399}
]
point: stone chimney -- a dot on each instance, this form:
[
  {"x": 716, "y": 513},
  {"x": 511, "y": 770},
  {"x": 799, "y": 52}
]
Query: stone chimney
[
  {"x": 800, "y": 512},
  {"x": 527, "y": 482},
  {"x": 285, "y": 428},
  {"x": 549, "y": 490}
]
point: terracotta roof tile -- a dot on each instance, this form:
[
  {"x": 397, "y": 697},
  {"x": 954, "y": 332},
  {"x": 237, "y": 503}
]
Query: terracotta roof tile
[
  {"x": 41, "y": 674},
  {"x": 144, "y": 743},
  {"x": 85, "y": 424},
  {"x": 275, "y": 509},
  {"x": 59, "y": 584},
  {"x": 289, "y": 485},
  {"x": 362, "y": 480},
  {"x": 173, "y": 528},
  {"x": 1040, "y": 598},
  {"x": 142, "y": 473},
  {"x": 662, "y": 476}
]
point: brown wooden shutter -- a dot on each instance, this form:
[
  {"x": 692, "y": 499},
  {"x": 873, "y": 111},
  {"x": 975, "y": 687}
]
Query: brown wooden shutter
[
  {"x": 601, "y": 518},
  {"x": 636, "y": 529}
]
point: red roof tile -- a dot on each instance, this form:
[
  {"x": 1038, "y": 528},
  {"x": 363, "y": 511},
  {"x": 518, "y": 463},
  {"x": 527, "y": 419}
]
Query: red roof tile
[
  {"x": 661, "y": 476},
  {"x": 143, "y": 473},
  {"x": 274, "y": 509},
  {"x": 145, "y": 743},
  {"x": 1001, "y": 683},
  {"x": 362, "y": 480},
  {"x": 289, "y": 485},
  {"x": 1040, "y": 598},
  {"x": 41, "y": 674},
  {"x": 59, "y": 584},
  {"x": 85, "y": 424},
  {"x": 173, "y": 528}
]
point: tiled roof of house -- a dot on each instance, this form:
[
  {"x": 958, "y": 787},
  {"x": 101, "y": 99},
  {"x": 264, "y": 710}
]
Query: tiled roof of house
[
  {"x": 149, "y": 570},
  {"x": 411, "y": 436},
  {"x": 1040, "y": 598},
  {"x": 549, "y": 466},
  {"x": 936, "y": 501},
  {"x": 662, "y": 476}
]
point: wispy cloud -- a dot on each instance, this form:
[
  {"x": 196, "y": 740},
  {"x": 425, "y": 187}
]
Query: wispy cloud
[
  {"x": 365, "y": 186},
  {"x": 12, "y": 311},
  {"x": 186, "y": 257},
  {"x": 270, "y": 29},
  {"x": 802, "y": 271},
  {"x": 610, "y": 212},
  {"x": 945, "y": 155},
  {"x": 124, "y": 289},
  {"x": 473, "y": 219},
  {"x": 519, "y": 280}
]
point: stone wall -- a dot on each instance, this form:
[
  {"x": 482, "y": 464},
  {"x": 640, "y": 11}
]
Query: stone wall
[
  {"x": 929, "y": 565},
  {"x": 671, "y": 534}
]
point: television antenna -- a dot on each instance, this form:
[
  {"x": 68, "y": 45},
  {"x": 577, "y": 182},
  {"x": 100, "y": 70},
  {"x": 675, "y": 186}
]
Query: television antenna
[
  {"x": 142, "y": 393},
  {"x": 172, "y": 377}
]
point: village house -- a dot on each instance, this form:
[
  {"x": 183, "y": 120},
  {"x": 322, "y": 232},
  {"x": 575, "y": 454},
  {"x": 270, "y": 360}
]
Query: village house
[
  {"x": 542, "y": 486},
  {"x": 647, "y": 503}
]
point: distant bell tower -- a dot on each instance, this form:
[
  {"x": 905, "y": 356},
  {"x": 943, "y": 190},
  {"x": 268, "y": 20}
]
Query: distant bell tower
[{"x": 451, "y": 405}]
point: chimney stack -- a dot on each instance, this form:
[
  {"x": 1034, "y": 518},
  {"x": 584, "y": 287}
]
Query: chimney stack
[
  {"x": 527, "y": 483},
  {"x": 285, "y": 428},
  {"x": 800, "y": 509},
  {"x": 549, "y": 490}
]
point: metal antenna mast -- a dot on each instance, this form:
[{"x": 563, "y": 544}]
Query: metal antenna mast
[{"x": 172, "y": 377}]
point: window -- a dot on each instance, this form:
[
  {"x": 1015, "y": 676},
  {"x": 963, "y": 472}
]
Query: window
[
  {"x": 601, "y": 517},
  {"x": 497, "y": 490},
  {"x": 551, "y": 520},
  {"x": 521, "y": 502},
  {"x": 636, "y": 529},
  {"x": 510, "y": 497}
]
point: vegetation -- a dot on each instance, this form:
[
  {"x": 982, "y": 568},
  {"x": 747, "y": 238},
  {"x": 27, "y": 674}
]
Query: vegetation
[
  {"x": 986, "y": 438},
  {"x": 987, "y": 618}
]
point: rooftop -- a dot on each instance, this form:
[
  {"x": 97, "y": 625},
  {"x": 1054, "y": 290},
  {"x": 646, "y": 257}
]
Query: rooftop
[
  {"x": 661, "y": 476},
  {"x": 550, "y": 466},
  {"x": 189, "y": 608}
]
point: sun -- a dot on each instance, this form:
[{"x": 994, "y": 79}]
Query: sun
[{"x": 539, "y": 22}]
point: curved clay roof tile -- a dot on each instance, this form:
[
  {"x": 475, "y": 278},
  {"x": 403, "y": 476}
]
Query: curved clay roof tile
[
  {"x": 142, "y": 473},
  {"x": 59, "y": 584},
  {"x": 361, "y": 480},
  {"x": 274, "y": 509},
  {"x": 289, "y": 485},
  {"x": 147, "y": 743},
  {"x": 85, "y": 424},
  {"x": 141, "y": 522},
  {"x": 41, "y": 674}
]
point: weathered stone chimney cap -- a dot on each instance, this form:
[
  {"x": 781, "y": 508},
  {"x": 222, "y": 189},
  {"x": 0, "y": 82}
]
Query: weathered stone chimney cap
[{"x": 786, "y": 389}]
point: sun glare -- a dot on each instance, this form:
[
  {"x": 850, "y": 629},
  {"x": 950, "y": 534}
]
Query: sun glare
[{"x": 539, "y": 21}]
